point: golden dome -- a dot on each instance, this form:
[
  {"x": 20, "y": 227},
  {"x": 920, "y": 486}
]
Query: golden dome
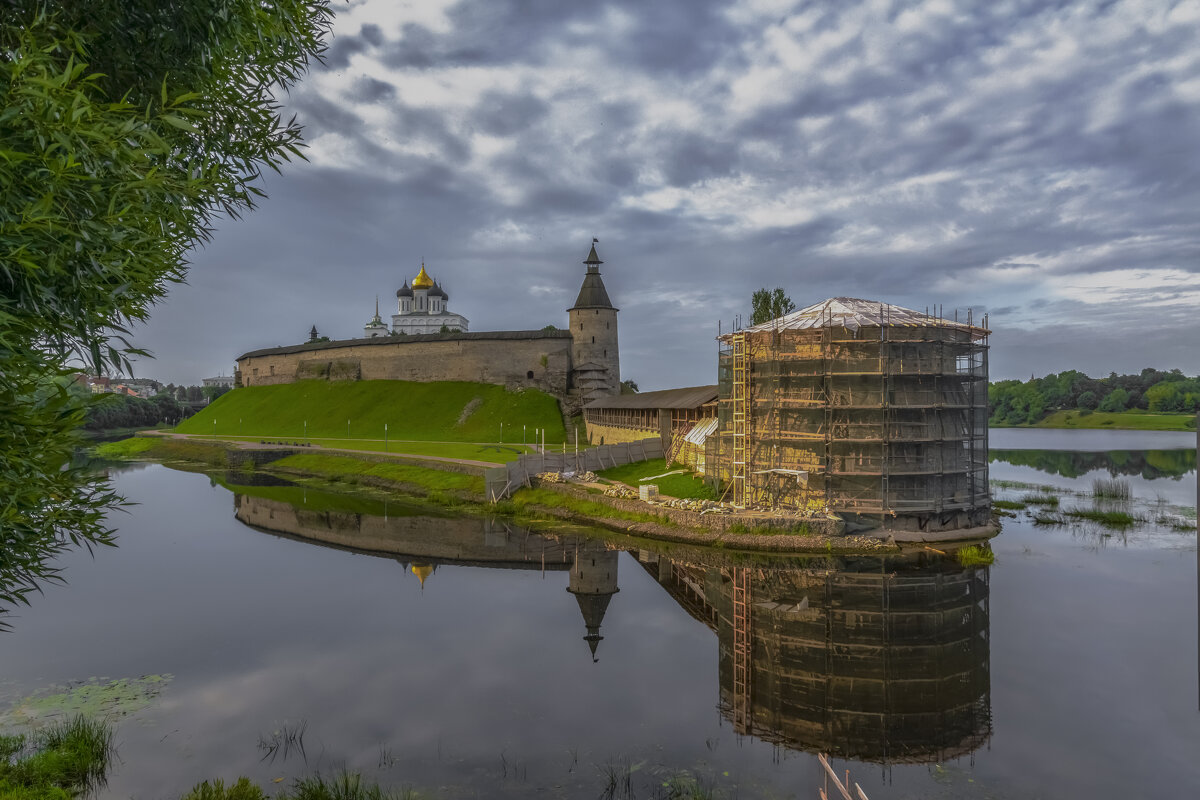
[
  {"x": 422, "y": 281},
  {"x": 422, "y": 571}
]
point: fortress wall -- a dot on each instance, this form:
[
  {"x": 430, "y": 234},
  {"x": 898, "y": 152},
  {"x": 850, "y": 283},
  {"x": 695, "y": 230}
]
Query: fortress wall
[
  {"x": 515, "y": 362},
  {"x": 409, "y": 537},
  {"x": 611, "y": 434}
]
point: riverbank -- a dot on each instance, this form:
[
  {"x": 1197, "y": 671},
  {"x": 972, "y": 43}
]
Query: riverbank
[
  {"x": 1114, "y": 421},
  {"x": 459, "y": 484}
]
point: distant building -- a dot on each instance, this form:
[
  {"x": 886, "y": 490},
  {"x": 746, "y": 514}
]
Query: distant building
[
  {"x": 220, "y": 381},
  {"x": 420, "y": 309},
  {"x": 134, "y": 387},
  {"x": 576, "y": 364}
]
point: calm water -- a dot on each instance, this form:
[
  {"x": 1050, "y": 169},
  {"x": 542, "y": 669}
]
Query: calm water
[{"x": 456, "y": 656}]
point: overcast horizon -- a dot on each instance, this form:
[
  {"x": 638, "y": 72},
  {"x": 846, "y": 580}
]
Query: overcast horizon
[{"x": 1034, "y": 161}]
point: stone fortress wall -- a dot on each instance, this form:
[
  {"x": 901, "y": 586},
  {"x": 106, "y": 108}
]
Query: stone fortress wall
[
  {"x": 513, "y": 359},
  {"x": 575, "y": 365}
]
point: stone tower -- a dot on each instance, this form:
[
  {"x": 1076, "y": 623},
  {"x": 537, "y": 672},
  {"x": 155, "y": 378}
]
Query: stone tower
[
  {"x": 595, "y": 359},
  {"x": 593, "y": 582}
]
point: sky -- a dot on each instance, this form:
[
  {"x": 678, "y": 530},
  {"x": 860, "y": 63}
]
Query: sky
[{"x": 1035, "y": 161}]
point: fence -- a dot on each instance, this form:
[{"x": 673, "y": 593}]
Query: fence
[{"x": 500, "y": 482}]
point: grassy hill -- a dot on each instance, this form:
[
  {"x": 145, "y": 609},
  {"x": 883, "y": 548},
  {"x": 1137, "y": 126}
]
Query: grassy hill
[{"x": 448, "y": 411}]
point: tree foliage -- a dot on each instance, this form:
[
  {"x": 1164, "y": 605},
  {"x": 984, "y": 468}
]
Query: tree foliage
[
  {"x": 126, "y": 128},
  {"x": 767, "y": 304},
  {"x": 1018, "y": 403}
]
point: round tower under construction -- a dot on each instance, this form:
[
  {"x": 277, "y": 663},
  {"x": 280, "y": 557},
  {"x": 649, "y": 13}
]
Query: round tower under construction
[{"x": 873, "y": 412}]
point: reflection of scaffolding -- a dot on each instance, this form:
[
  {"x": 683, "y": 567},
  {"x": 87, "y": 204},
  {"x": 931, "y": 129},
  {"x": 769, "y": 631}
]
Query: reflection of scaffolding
[
  {"x": 887, "y": 416},
  {"x": 884, "y": 667},
  {"x": 741, "y": 649},
  {"x": 883, "y": 660}
]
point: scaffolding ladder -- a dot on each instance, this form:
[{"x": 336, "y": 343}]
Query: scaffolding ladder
[
  {"x": 740, "y": 396},
  {"x": 741, "y": 649}
]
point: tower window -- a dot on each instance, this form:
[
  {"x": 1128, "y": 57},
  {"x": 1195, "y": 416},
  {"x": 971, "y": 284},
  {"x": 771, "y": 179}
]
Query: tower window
[
  {"x": 593, "y": 340},
  {"x": 529, "y": 374}
]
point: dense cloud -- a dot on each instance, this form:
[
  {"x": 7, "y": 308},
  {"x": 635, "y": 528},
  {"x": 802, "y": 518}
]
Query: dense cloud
[{"x": 1030, "y": 159}]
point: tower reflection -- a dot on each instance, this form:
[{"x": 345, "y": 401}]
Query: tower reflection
[{"x": 882, "y": 660}]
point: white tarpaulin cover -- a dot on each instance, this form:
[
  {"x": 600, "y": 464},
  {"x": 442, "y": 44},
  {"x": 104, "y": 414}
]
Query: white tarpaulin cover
[
  {"x": 851, "y": 313},
  {"x": 701, "y": 432}
]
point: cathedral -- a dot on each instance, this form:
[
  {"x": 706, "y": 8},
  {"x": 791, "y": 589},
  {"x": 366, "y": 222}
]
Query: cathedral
[{"x": 421, "y": 308}]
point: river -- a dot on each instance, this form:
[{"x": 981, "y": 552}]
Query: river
[{"x": 276, "y": 631}]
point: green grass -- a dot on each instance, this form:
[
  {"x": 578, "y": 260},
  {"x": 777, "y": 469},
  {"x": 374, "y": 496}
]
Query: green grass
[
  {"x": 1041, "y": 500},
  {"x": 1109, "y": 519},
  {"x": 243, "y": 789},
  {"x": 66, "y": 759},
  {"x": 1112, "y": 488},
  {"x": 494, "y": 453},
  {"x": 685, "y": 485},
  {"x": 1120, "y": 420},
  {"x": 1009, "y": 505},
  {"x": 417, "y": 411},
  {"x": 526, "y": 500},
  {"x": 124, "y": 449},
  {"x": 974, "y": 555},
  {"x": 351, "y": 470}
]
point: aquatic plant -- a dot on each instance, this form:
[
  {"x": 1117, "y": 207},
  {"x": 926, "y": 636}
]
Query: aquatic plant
[
  {"x": 1042, "y": 499},
  {"x": 70, "y": 757},
  {"x": 284, "y": 741},
  {"x": 215, "y": 789},
  {"x": 342, "y": 786},
  {"x": 98, "y": 698},
  {"x": 1112, "y": 488},
  {"x": 974, "y": 555},
  {"x": 1110, "y": 519},
  {"x": 1009, "y": 505}
]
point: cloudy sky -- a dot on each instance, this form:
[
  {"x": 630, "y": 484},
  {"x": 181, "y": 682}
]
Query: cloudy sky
[{"x": 1038, "y": 161}]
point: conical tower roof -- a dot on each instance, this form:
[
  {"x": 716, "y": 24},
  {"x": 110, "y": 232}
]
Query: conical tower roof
[
  {"x": 592, "y": 294},
  {"x": 592, "y": 606}
]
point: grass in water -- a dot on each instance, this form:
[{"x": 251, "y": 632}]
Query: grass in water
[
  {"x": 1047, "y": 500},
  {"x": 1112, "y": 489},
  {"x": 66, "y": 759},
  {"x": 341, "y": 786},
  {"x": 974, "y": 555},
  {"x": 1109, "y": 519}
]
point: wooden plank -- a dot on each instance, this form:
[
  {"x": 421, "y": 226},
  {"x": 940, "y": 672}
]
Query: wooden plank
[{"x": 833, "y": 776}]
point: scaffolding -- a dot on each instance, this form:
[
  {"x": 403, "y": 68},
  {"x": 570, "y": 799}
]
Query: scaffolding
[{"x": 884, "y": 409}]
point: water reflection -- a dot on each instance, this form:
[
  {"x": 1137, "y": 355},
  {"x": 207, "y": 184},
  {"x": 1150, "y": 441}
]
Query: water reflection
[
  {"x": 422, "y": 543},
  {"x": 1149, "y": 464},
  {"x": 867, "y": 659},
  {"x": 882, "y": 660}
]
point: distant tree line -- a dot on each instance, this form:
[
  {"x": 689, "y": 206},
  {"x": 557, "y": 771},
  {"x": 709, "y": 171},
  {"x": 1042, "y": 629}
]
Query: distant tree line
[
  {"x": 1150, "y": 464},
  {"x": 1016, "y": 402},
  {"x": 111, "y": 411}
]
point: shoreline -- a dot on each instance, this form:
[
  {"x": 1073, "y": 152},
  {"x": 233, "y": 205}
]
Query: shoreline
[{"x": 423, "y": 479}]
